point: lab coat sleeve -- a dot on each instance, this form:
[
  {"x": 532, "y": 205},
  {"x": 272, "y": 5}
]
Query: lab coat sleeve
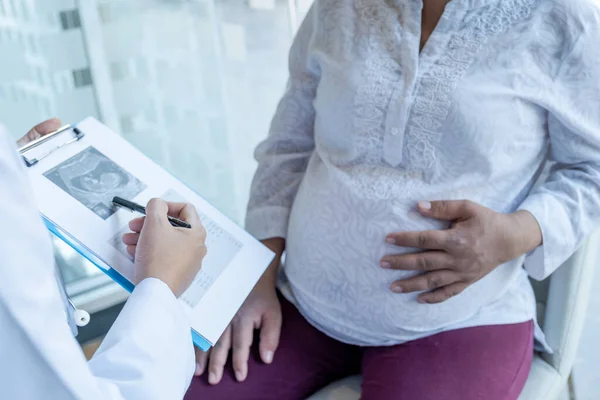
[
  {"x": 149, "y": 351},
  {"x": 147, "y": 355},
  {"x": 567, "y": 204}
]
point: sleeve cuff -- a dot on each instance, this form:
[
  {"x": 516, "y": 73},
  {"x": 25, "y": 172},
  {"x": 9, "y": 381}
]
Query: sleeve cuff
[
  {"x": 551, "y": 217},
  {"x": 150, "y": 306},
  {"x": 158, "y": 288},
  {"x": 535, "y": 263},
  {"x": 268, "y": 222},
  {"x": 148, "y": 351}
]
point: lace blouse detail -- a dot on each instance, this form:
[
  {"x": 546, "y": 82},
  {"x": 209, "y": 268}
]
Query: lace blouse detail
[
  {"x": 369, "y": 125},
  {"x": 433, "y": 98}
]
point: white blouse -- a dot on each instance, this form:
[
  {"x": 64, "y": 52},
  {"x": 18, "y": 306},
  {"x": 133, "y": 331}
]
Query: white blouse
[{"x": 369, "y": 125}]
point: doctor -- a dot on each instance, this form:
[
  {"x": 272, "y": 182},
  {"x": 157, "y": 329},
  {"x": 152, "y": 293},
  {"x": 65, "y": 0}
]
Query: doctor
[{"x": 148, "y": 353}]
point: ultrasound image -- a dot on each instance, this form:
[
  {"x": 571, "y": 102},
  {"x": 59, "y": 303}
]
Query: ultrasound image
[{"x": 93, "y": 179}]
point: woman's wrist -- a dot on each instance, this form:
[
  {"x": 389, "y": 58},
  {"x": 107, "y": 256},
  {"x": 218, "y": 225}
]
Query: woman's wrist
[
  {"x": 277, "y": 246},
  {"x": 528, "y": 232}
]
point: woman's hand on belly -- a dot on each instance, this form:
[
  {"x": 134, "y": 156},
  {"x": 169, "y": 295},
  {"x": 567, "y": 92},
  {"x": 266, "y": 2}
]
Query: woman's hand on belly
[
  {"x": 262, "y": 311},
  {"x": 478, "y": 241}
]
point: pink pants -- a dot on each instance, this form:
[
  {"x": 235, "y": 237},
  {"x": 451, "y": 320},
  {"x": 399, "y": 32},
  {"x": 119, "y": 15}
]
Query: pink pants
[{"x": 487, "y": 362}]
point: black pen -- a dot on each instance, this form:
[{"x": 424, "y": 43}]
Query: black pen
[{"x": 131, "y": 206}]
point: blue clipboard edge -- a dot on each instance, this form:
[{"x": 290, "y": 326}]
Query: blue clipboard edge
[{"x": 86, "y": 253}]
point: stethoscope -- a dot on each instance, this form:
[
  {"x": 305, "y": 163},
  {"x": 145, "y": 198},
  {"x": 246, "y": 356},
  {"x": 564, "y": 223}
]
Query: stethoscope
[
  {"x": 80, "y": 317},
  {"x": 74, "y": 315}
]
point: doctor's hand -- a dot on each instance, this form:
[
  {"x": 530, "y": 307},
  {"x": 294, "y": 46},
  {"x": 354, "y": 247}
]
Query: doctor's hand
[
  {"x": 40, "y": 130},
  {"x": 173, "y": 255},
  {"x": 261, "y": 311},
  {"x": 479, "y": 240}
]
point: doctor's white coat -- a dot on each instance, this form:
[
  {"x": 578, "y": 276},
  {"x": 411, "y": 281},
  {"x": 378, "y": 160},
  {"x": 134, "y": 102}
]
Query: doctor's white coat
[{"x": 148, "y": 354}]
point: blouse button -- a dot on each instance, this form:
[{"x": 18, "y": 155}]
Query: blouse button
[{"x": 394, "y": 131}]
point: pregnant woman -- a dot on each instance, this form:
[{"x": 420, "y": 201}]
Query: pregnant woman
[{"x": 399, "y": 177}]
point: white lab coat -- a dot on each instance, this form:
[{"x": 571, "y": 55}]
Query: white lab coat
[{"x": 148, "y": 353}]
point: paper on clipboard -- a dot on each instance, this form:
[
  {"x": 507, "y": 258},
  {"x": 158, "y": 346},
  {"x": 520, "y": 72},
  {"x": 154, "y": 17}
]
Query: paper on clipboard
[{"x": 75, "y": 184}]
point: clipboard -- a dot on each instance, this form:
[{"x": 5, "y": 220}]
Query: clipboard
[
  {"x": 86, "y": 253},
  {"x": 34, "y": 154}
]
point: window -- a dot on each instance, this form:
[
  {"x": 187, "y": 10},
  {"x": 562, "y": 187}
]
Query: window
[
  {"x": 70, "y": 19},
  {"x": 82, "y": 77},
  {"x": 193, "y": 84}
]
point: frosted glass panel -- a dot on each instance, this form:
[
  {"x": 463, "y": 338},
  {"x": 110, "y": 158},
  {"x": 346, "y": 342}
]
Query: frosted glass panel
[
  {"x": 191, "y": 83},
  {"x": 42, "y": 49},
  {"x": 196, "y": 83}
]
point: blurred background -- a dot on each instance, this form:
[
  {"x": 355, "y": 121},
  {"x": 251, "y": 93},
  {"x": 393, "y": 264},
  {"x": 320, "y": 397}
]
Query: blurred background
[{"x": 192, "y": 83}]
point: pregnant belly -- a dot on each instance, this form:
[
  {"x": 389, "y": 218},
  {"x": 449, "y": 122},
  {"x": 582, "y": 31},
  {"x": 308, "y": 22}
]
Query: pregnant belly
[{"x": 335, "y": 241}]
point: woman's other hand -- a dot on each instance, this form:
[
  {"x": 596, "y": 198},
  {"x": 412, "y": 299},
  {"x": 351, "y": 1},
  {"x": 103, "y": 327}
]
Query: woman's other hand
[
  {"x": 44, "y": 128},
  {"x": 478, "y": 241},
  {"x": 261, "y": 311}
]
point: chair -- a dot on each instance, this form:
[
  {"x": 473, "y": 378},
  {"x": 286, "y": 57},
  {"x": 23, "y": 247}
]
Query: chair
[{"x": 562, "y": 301}]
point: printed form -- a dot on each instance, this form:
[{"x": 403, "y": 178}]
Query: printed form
[{"x": 75, "y": 184}]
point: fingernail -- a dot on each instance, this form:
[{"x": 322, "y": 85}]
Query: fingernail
[
  {"x": 240, "y": 376},
  {"x": 397, "y": 289},
  {"x": 268, "y": 357},
  {"x": 390, "y": 240},
  {"x": 425, "y": 205},
  {"x": 385, "y": 264},
  {"x": 422, "y": 301},
  {"x": 212, "y": 378},
  {"x": 198, "y": 370}
]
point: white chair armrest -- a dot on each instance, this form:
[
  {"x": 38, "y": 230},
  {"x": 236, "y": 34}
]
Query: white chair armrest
[
  {"x": 543, "y": 382},
  {"x": 566, "y": 306}
]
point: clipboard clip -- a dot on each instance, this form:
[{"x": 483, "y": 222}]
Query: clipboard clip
[{"x": 77, "y": 135}]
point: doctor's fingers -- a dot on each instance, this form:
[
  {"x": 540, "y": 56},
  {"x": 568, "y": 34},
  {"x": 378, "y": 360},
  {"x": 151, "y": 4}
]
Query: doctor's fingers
[
  {"x": 218, "y": 357},
  {"x": 131, "y": 239},
  {"x": 39, "y": 130},
  {"x": 131, "y": 250},
  {"x": 243, "y": 332},
  {"x": 186, "y": 212},
  {"x": 137, "y": 224},
  {"x": 156, "y": 213}
]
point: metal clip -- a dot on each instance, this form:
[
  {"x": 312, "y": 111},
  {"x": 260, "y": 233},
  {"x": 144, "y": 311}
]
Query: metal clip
[{"x": 32, "y": 145}]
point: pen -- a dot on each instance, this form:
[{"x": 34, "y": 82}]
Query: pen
[{"x": 131, "y": 206}]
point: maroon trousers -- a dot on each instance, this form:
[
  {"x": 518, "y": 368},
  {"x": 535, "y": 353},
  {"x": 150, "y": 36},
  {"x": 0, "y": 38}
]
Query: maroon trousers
[{"x": 487, "y": 363}]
